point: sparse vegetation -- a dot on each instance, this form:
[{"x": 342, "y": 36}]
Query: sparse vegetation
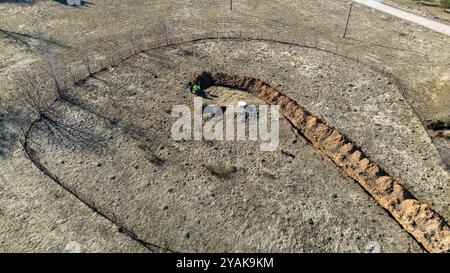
[
  {"x": 442, "y": 118},
  {"x": 445, "y": 4},
  {"x": 168, "y": 109},
  {"x": 143, "y": 146},
  {"x": 221, "y": 171},
  {"x": 144, "y": 168},
  {"x": 155, "y": 159},
  {"x": 151, "y": 157}
]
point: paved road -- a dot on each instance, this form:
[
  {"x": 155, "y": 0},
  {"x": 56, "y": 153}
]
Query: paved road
[{"x": 425, "y": 22}]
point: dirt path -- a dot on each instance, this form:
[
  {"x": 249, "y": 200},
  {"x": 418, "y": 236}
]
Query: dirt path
[{"x": 425, "y": 22}]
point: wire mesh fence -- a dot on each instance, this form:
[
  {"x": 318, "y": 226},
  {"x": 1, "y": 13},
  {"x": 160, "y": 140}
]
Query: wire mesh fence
[
  {"x": 91, "y": 59},
  {"x": 246, "y": 22},
  {"x": 77, "y": 64}
]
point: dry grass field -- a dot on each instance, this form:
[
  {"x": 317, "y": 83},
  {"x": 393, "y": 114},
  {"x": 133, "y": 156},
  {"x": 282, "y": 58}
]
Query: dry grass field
[{"x": 123, "y": 184}]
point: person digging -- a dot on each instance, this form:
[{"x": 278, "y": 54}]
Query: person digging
[{"x": 196, "y": 89}]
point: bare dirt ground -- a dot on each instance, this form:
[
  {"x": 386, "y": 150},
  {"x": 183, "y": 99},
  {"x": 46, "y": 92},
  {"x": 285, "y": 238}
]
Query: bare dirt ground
[
  {"x": 270, "y": 203},
  {"x": 294, "y": 200}
]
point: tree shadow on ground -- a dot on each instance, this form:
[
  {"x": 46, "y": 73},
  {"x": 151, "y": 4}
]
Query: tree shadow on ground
[
  {"x": 26, "y": 38},
  {"x": 131, "y": 129},
  {"x": 10, "y": 122},
  {"x": 72, "y": 135},
  {"x": 19, "y": 1},
  {"x": 7, "y": 139},
  {"x": 31, "y": 2}
]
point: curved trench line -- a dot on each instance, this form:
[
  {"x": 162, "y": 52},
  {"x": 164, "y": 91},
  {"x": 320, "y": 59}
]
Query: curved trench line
[
  {"x": 396, "y": 80},
  {"x": 178, "y": 41},
  {"x": 417, "y": 218},
  {"x": 211, "y": 81},
  {"x": 172, "y": 42}
]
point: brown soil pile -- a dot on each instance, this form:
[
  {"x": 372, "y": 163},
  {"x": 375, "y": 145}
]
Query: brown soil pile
[{"x": 417, "y": 218}]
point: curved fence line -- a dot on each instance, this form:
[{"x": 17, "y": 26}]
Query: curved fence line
[
  {"x": 122, "y": 228},
  {"x": 94, "y": 62},
  {"x": 91, "y": 64}
]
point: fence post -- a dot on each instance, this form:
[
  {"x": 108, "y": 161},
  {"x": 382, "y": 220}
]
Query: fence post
[
  {"x": 87, "y": 64},
  {"x": 71, "y": 73},
  {"x": 165, "y": 35},
  {"x": 348, "y": 18}
]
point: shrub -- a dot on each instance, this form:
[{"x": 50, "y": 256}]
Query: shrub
[
  {"x": 221, "y": 171},
  {"x": 445, "y": 4},
  {"x": 155, "y": 159},
  {"x": 168, "y": 109},
  {"x": 142, "y": 146}
]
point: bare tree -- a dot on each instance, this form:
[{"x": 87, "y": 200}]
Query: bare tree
[{"x": 42, "y": 98}]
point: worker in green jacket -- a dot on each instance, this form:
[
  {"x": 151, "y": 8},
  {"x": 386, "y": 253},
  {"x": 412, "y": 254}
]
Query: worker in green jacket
[{"x": 196, "y": 89}]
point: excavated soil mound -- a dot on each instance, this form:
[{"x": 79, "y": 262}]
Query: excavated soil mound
[{"x": 428, "y": 227}]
